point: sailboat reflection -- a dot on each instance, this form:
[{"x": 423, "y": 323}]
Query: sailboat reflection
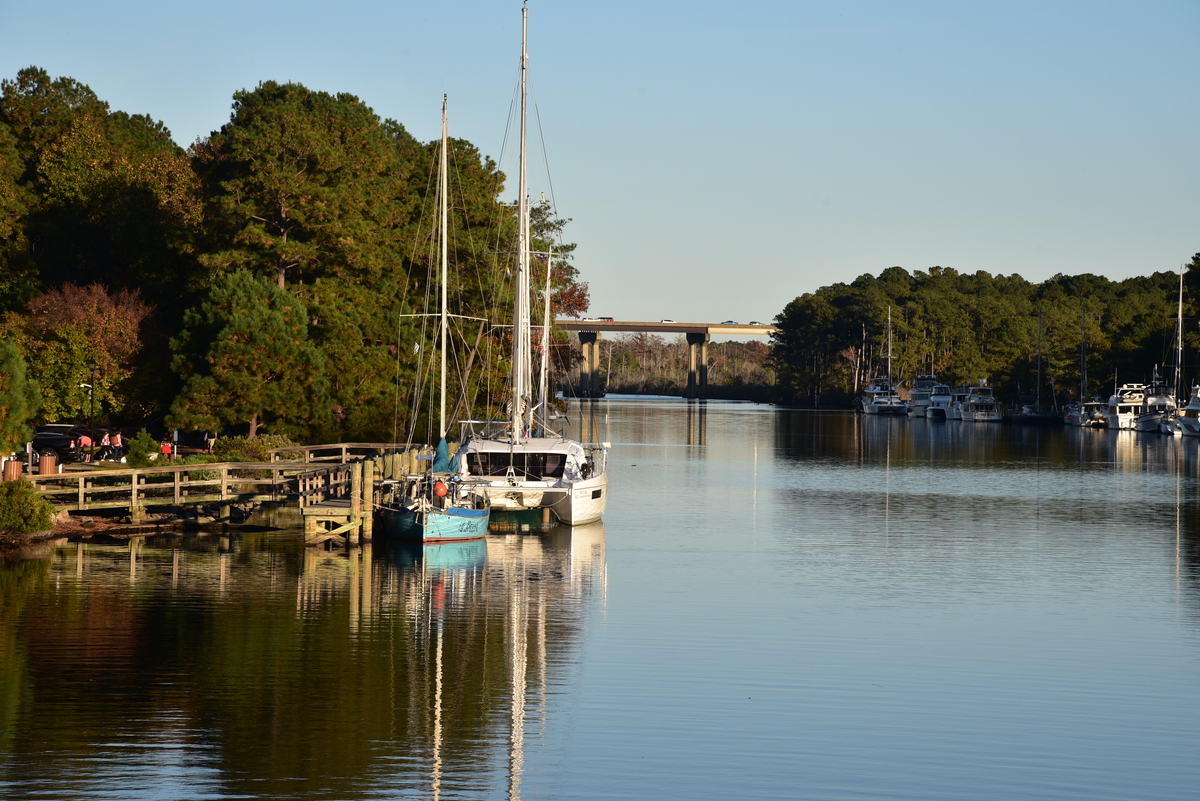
[{"x": 510, "y": 602}]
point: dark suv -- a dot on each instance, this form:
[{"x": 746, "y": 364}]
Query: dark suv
[{"x": 60, "y": 440}]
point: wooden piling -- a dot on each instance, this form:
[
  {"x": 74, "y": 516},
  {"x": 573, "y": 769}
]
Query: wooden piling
[{"x": 368, "y": 498}]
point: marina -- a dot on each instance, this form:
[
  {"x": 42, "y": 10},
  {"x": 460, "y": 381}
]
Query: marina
[{"x": 903, "y": 608}]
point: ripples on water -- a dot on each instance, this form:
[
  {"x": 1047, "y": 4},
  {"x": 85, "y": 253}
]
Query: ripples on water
[{"x": 779, "y": 604}]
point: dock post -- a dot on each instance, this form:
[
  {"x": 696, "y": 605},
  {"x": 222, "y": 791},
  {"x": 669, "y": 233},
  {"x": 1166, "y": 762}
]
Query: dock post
[
  {"x": 368, "y": 499},
  {"x": 137, "y": 512},
  {"x": 356, "y": 489}
]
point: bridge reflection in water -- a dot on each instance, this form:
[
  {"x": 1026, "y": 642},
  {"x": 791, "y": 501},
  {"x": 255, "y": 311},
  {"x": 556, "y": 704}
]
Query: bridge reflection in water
[{"x": 288, "y": 671}]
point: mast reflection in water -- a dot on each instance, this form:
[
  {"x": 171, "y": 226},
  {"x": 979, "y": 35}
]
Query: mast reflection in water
[{"x": 205, "y": 667}]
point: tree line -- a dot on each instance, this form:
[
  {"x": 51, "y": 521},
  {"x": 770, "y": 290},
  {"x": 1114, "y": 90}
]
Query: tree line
[
  {"x": 274, "y": 276},
  {"x": 966, "y": 327}
]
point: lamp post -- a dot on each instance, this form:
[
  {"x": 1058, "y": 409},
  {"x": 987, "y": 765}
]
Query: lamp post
[{"x": 92, "y": 399}]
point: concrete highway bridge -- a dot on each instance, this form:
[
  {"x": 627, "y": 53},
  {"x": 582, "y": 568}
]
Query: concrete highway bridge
[{"x": 698, "y": 336}]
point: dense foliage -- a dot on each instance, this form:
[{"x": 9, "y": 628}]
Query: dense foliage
[
  {"x": 23, "y": 510},
  {"x": 966, "y": 327},
  {"x": 276, "y": 277}
]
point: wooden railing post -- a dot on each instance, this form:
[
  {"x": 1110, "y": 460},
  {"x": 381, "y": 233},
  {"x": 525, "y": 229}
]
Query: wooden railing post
[
  {"x": 368, "y": 497},
  {"x": 178, "y": 495},
  {"x": 356, "y": 489}
]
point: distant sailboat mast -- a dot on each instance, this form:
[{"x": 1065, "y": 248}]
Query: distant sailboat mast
[
  {"x": 1082, "y": 354},
  {"x": 889, "y": 345},
  {"x": 1179, "y": 342}
]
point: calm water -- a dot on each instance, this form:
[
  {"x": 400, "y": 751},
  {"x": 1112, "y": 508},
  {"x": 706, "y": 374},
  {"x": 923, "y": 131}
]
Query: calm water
[{"x": 779, "y": 604}]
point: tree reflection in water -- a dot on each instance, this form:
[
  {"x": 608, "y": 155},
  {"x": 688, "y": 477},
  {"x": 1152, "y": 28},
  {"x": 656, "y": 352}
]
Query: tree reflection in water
[{"x": 269, "y": 670}]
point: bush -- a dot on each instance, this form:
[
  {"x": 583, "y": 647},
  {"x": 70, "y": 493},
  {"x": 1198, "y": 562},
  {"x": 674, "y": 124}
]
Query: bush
[
  {"x": 249, "y": 449},
  {"x": 139, "y": 449},
  {"x": 22, "y": 509}
]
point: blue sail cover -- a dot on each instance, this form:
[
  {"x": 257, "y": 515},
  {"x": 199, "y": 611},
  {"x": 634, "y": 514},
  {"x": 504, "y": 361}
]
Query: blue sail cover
[{"x": 441, "y": 459}]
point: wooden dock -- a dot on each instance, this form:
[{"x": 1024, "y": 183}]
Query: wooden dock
[{"x": 336, "y": 486}]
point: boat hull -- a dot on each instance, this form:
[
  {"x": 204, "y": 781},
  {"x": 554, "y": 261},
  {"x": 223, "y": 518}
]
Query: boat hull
[
  {"x": 436, "y": 525},
  {"x": 1188, "y": 426},
  {"x": 573, "y": 503}
]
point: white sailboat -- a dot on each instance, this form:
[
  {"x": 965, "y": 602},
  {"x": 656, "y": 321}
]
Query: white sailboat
[
  {"x": 528, "y": 467},
  {"x": 880, "y": 396}
]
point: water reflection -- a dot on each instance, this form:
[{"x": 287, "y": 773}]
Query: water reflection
[
  {"x": 280, "y": 670},
  {"x": 947, "y": 486}
]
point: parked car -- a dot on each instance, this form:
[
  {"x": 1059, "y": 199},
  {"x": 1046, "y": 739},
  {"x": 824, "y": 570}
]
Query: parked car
[{"x": 60, "y": 440}]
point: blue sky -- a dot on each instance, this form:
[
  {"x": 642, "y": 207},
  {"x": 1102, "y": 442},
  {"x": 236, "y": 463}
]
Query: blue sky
[{"x": 720, "y": 159}]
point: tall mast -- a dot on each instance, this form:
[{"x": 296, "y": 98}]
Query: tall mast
[
  {"x": 1179, "y": 342},
  {"x": 443, "y": 185},
  {"x": 889, "y": 345},
  {"x": 1039, "y": 369},
  {"x": 543, "y": 378},
  {"x": 521, "y": 346},
  {"x": 1082, "y": 354}
]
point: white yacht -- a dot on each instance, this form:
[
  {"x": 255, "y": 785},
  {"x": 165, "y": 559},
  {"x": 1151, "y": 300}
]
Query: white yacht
[
  {"x": 980, "y": 406},
  {"x": 958, "y": 400},
  {"x": 921, "y": 396},
  {"x": 1125, "y": 405},
  {"x": 1188, "y": 418},
  {"x": 1089, "y": 414},
  {"x": 881, "y": 397},
  {"x": 939, "y": 402},
  {"x": 1157, "y": 412}
]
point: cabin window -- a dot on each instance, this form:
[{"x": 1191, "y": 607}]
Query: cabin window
[{"x": 525, "y": 465}]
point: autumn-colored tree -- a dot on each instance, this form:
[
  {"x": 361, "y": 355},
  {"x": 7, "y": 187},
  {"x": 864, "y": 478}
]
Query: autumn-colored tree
[{"x": 70, "y": 326}]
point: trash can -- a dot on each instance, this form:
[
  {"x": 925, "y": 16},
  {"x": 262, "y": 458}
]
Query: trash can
[
  {"x": 47, "y": 465},
  {"x": 12, "y": 469}
]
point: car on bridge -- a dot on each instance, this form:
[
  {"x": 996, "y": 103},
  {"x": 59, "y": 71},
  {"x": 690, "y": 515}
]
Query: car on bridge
[
  {"x": 666, "y": 321},
  {"x": 730, "y": 322}
]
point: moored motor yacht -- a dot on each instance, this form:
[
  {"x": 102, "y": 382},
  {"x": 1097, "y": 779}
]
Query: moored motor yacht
[
  {"x": 980, "y": 406},
  {"x": 939, "y": 402},
  {"x": 1089, "y": 414},
  {"x": 1157, "y": 412},
  {"x": 958, "y": 400},
  {"x": 1125, "y": 405},
  {"x": 921, "y": 396},
  {"x": 881, "y": 397},
  {"x": 1188, "y": 418}
]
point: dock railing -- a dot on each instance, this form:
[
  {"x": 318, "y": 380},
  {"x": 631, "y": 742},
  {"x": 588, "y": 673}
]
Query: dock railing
[{"x": 170, "y": 485}]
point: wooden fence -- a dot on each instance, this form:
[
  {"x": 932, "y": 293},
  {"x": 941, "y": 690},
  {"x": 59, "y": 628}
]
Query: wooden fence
[{"x": 181, "y": 485}]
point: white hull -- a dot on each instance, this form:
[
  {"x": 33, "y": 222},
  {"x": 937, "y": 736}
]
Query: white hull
[
  {"x": 981, "y": 416},
  {"x": 1124, "y": 422},
  {"x": 1150, "y": 423},
  {"x": 1188, "y": 426}
]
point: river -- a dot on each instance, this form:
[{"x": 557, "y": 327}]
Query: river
[{"x": 779, "y": 604}]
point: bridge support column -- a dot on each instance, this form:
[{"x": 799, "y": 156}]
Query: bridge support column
[
  {"x": 697, "y": 365},
  {"x": 589, "y": 368}
]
